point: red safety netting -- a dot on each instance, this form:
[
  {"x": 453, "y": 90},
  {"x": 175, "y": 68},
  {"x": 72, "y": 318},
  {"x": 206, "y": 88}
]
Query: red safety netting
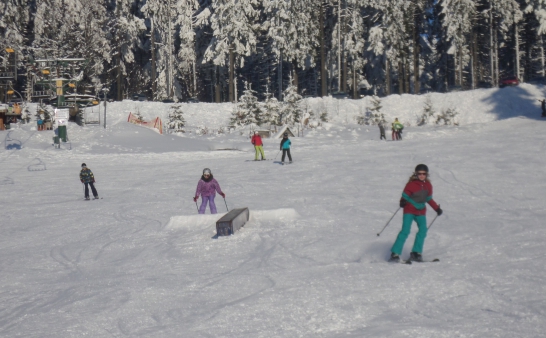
[{"x": 156, "y": 123}]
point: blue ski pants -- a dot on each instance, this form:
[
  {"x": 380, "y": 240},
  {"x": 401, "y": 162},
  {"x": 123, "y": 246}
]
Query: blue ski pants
[{"x": 404, "y": 233}]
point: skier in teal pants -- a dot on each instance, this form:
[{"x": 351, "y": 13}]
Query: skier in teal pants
[{"x": 417, "y": 193}]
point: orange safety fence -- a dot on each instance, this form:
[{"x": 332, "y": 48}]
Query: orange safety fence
[{"x": 154, "y": 124}]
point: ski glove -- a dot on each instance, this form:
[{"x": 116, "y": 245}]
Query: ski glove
[
  {"x": 195, "y": 198},
  {"x": 223, "y": 195},
  {"x": 403, "y": 203},
  {"x": 439, "y": 211}
]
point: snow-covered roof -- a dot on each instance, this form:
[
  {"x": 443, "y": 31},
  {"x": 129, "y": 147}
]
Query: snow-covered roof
[{"x": 282, "y": 131}]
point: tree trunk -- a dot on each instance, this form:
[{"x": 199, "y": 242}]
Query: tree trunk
[
  {"x": 295, "y": 79},
  {"x": 475, "y": 60},
  {"x": 401, "y": 77},
  {"x": 355, "y": 85},
  {"x": 345, "y": 74},
  {"x": 279, "y": 76},
  {"x": 496, "y": 58},
  {"x": 461, "y": 66},
  {"x": 387, "y": 77},
  {"x": 491, "y": 45},
  {"x": 416, "y": 50},
  {"x": 338, "y": 45},
  {"x": 323, "y": 74},
  {"x": 119, "y": 78},
  {"x": 516, "y": 36},
  {"x": 542, "y": 55},
  {"x": 217, "y": 86},
  {"x": 231, "y": 74},
  {"x": 407, "y": 74},
  {"x": 118, "y": 40},
  {"x": 154, "y": 82}
]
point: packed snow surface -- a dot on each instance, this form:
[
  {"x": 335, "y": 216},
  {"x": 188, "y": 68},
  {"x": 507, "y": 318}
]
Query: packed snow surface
[{"x": 141, "y": 263}]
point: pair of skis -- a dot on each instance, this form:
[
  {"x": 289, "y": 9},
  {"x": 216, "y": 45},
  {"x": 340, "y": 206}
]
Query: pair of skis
[{"x": 409, "y": 261}]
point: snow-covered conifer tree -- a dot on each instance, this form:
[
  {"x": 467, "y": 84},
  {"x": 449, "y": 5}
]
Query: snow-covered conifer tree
[
  {"x": 291, "y": 111},
  {"x": 270, "y": 109},
  {"x": 389, "y": 35},
  {"x": 247, "y": 110},
  {"x": 73, "y": 29},
  {"x": 373, "y": 116},
  {"x": 124, "y": 29},
  {"x": 458, "y": 23},
  {"x": 176, "y": 118},
  {"x": 428, "y": 112},
  {"x": 354, "y": 43},
  {"x": 13, "y": 19},
  {"x": 293, "y": 29},
  {"x": 162, "y": 16},
  {"x": 234, "y": 26},
  {"x": 187, "y": 56}
]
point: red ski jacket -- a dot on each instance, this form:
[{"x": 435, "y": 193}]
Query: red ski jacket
[
  {"x": 257, "y": 140},
  {"x": 417, "y": 193}
]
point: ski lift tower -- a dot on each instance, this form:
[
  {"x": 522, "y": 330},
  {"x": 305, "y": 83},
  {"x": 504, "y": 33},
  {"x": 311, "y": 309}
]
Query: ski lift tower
[
  {"x": 50, "y": 78},
  {"x": 8, "y": 73},
  {"x": 57, "y": 80}
]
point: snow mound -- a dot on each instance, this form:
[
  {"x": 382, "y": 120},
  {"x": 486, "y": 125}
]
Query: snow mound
[
  {"x": 195, "y": 222},
  {"x": 283, "y": 214},
  {"x": 205, "y": 222}
]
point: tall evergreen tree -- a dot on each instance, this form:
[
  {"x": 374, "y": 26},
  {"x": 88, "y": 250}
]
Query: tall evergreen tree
[{"x": 234, "y": 25}]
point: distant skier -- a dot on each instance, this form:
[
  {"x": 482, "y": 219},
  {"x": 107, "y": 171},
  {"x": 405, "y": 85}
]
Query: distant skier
[
  {"x": 397, "y": 130},
  {"x": 418, "y": 192},
  {"x": 258, "y": 145},
  {"x": 285, "y": 147},
  {"x": 382, "y": 132},
  {"x": 207, "y": 188},
  {"x": 543, "y": 106},
  {"x": 87, "y": 178}
]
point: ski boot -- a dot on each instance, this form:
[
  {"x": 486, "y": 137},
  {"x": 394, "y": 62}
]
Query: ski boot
[
  {"x": 87, "y": 198},
  {"x": 96, "y": 197},
  {"x": 416, "y": 257},
  {"x": 394, "y": 258}
]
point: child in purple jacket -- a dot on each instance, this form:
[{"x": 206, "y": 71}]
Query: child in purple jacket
[{"x": 207, "y": 188}]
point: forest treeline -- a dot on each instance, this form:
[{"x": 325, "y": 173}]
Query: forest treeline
[{"x": 209, "y": 49}]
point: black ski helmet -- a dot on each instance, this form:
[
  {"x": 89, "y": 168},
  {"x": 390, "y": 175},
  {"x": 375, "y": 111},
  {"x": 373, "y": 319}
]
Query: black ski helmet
[
  {"x": 84, "y": 165},
  {"x": 285, "y": 134},
  {"x": 421, "y": 167}
]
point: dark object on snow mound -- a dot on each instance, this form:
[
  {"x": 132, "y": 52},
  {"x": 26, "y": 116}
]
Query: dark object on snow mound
[{"x": 232, "y": 221}]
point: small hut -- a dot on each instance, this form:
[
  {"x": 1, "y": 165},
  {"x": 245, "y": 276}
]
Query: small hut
[{"x": 283, "y": 130}]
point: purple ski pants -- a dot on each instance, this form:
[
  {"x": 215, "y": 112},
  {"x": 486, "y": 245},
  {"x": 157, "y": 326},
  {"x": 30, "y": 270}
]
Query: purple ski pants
[{"x": 210, "y": 200}]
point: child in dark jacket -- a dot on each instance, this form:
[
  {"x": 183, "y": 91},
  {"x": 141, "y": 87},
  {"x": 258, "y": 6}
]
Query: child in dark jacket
[
  {"x": 417, "y": 193},
  {"x": 207, "y": 188},
  {"x": 87, "y": 178},
  {"x": 285, "y": 147}
]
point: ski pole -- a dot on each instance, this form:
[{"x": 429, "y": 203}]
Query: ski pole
[
  {"x": 196, "y": 207},
  {"x": 277, "y": 155},
  {"x": 226, "y": 204},
  {"x": 379, "y": 233},
  {"x": 432, "y": 222}
]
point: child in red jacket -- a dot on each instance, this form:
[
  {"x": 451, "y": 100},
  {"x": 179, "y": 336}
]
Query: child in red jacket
[
  {"x": 417, "y": 193},
  {"x": 258, "y": 145}
]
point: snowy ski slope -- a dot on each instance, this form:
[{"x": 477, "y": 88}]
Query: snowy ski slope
[{"x": 141, "y": 263}]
